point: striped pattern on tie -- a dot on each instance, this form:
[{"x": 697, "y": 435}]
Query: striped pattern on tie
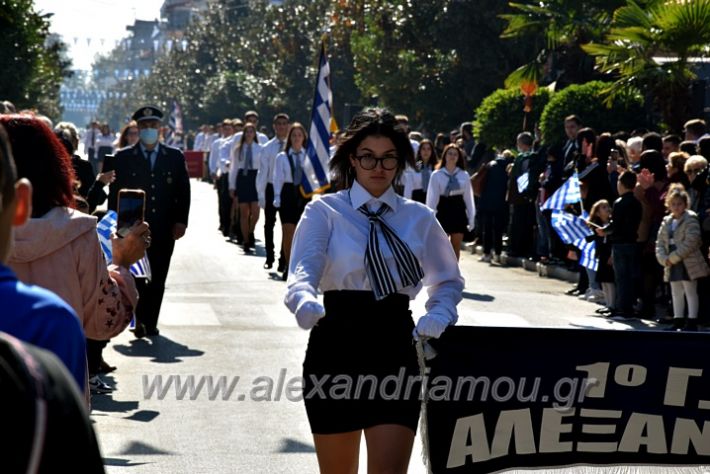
[{"x": 408, "y": 267}]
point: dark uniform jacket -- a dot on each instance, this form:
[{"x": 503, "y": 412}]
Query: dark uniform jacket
[{"x": 167, "y": 185}]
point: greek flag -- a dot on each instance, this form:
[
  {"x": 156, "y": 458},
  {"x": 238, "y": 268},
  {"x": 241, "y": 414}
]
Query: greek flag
[
  {"x": 315, "y": 168},
  {"x": 107, "y": 226},
  {"x": 589, "y": 254},
  {"x": 523, "y": 182},
  {"x": 568, "y": 193},
  {"x": 573, "y": 231},
  {"x": 569, "y": 227},
  {"x": 175, "y": 125}
]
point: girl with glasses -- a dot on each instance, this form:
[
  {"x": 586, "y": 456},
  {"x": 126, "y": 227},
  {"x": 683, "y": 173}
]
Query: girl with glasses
[
  {"x": 370, "y": 252},
  {"x": 451, "y": 196}
]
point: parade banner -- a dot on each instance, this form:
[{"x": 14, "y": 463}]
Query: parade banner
[{"x": 503, "y": 398}]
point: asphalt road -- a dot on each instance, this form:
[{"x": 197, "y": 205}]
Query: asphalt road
[{"x": 223, "y": 315}]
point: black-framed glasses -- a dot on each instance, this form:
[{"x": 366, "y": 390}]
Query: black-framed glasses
[{"x": 369, "y": 161}]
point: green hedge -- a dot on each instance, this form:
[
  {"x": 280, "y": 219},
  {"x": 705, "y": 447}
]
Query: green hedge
[
  {"x": 588, "y": 102},
  {"x": 499, "y": 118}
]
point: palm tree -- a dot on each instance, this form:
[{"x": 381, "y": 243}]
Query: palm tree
[
  {"x": 560, "y": 28},
  {"x": 650, "y": 47}
]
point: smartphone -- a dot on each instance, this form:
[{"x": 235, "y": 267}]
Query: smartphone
[{"x": 131, "y": 209}]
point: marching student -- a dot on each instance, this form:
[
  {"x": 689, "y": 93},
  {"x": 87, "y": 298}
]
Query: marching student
[
  {"x": 678, "y": 251},
  {"x": 288, "y": 173},
  {"x": 265, "y": 187},
  {"x": 242, "y": 182},
  {"x": 451, "y": 196},
  {"x": 365, "y": 326},
  {"x": 416, "y": 180}
]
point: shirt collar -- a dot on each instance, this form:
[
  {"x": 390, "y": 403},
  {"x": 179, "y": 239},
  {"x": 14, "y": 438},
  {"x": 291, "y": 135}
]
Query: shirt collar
[
  {"x": 145, "y": 150},
  {"x": 360, "y": 196}
]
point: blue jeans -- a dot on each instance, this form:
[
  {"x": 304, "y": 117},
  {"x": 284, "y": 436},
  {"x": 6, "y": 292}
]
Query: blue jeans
[{"x": 625, "y": 260}]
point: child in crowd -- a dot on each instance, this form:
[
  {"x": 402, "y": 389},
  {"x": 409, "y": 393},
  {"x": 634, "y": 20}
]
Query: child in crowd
[
  {"x": 599, "y": 217},
  {"x": 623, "y": 233},
  {"x": 678, "y": 251}
]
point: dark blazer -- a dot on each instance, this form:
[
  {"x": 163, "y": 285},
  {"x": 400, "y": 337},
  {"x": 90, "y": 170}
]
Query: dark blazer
[{"x": 167, "y": 185}]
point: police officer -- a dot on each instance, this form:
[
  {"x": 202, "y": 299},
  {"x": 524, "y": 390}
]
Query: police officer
[{"x": 161, "y": 172}]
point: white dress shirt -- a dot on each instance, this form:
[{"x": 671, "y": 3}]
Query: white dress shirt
[
  {"x": 282, "y": 170},
  {"x": 266, "y": 166},
  {"x": 412, "y": 181},
  {"x": 214, "y": 156},
  {"x": 239, "y": 161},
  {"x": 330, "y": 241},
  {"x": 105, "y": 140},
  {"x": 415, "y": 146},
  {"x": 437, "y": 187},
  {"x": 199, "y": 141}
]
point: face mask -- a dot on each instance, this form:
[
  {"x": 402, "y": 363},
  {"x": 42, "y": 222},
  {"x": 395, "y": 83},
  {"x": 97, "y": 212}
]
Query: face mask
[{"x": 149, "y": 136}]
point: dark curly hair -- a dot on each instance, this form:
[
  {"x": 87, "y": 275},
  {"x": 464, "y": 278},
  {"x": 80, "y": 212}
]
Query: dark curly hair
[
  {"x": 42, "y": 159},
  {"x": 367, "y": 123}
]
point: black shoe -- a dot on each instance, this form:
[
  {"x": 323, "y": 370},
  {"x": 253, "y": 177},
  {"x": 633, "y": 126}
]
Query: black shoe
[
  {"x": 284, "y": 276},
  {"x": 573, "y": 292},
  {"x": 246, "y": 248},
  {"x": 152, "y": 332},
  {"x": 282, "y": 267},
  {"x": 678, "y": 324},
  {"x": 691, "y": 325},
  {"x": 139, "y": 331},
  {"x": 268, "y": 265}
]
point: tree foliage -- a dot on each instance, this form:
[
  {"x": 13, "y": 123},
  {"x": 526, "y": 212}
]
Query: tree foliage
[
  {"x": 433, "y": 59},
  {"x": 32, "y": 60},
  {"x": 499, "y": 118},
  {"x": 622, "y": 112},
  {"x": 641, "y": 34},
  {"x": 558, "y": 29}
]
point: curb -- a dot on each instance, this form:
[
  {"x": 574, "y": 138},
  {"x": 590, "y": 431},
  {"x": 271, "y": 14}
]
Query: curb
[{"x": 545, "y": 271}]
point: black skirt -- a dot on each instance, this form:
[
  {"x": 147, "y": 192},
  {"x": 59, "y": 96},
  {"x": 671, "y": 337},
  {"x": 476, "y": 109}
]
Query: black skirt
[
  {"x": 419, "y": 195},
  {"x": 246, "y": 186},
  {"x": 365, "y": 347},
  {"x": 292, "y": 204},
  {"x": 451, "y": 213}
]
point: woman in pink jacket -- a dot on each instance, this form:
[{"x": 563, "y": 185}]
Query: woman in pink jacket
[{"x": 59, "y": 248}]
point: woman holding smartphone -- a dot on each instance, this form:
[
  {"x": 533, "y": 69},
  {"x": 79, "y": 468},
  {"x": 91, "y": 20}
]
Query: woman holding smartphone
[{"x": 370, "y": 252}]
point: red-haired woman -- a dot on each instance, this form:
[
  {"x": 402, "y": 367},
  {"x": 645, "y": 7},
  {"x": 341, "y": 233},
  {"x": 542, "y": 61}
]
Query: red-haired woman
[
  {"x": 451, "y": 196},
  {"x": 58, "y": 248}
]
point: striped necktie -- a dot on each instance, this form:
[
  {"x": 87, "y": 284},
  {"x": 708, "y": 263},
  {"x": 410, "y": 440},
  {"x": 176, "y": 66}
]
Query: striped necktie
[
  {"x": 453, "y": 184},
  {"x": 380, "y": 276},
  {"x": 248, "y": 163}
]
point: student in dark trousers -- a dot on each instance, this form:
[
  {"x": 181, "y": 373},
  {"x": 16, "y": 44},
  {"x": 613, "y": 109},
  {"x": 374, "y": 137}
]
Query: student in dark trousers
[
  {"x": 365, "y": 326},
  {"x": 623, "y": 231}
]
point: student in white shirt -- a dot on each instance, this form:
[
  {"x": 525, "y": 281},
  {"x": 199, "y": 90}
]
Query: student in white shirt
[
  {"x": 288, "y": 175},
  {"x": 451, "y": 196},
  {"x": 416, "y": 180},
  {"x": 242, "y": 182},
  {"x": 365, "y": 326},
  {"x": 265, "y": 187}
]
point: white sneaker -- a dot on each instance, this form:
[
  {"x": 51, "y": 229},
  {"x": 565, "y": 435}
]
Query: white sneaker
[
  {"x": 596, "y": 296},
  {"x": 585, "y": 295},
  {"x": 96, "y": 385},
  {"x": 485, "y": 258}
]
